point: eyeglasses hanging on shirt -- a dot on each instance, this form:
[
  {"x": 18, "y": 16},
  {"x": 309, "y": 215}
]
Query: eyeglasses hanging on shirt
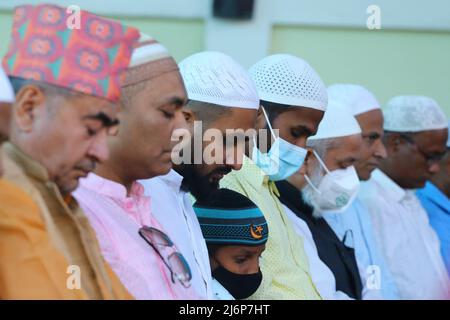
[{"x": 165, "y": 248}]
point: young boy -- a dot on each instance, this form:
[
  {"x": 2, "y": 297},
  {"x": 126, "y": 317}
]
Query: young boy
[{"x": 235, "y": 232}]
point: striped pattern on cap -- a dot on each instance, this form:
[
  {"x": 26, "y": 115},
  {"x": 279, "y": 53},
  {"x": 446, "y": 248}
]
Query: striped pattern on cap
[{"x": 229, "y": 218}]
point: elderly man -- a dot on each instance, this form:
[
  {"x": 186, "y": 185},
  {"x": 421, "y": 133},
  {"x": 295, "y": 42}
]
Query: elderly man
[
  {"x": 435, "y": 198},
  {"x": 378, "y": 282},
  {"x": 330, "y": 184},
  {"x": 128, "y": 232},
  {"x": 223, "y": 97},
  {"x": 67, "y": 85},
  {"x": 415, "y": 134},
  {"x": 293, "y": 99}
]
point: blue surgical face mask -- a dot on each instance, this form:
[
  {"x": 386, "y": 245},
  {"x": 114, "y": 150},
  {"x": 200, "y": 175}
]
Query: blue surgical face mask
[{"x": 283, "y": 158}]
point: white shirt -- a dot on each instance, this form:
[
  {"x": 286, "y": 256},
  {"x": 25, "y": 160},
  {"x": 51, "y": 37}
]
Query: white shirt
[
  {"x": 321, "y": 275},
  {"x": 220, "y": 293},
  {"x": 403, "y": 233},
  {"x": 172, "y": 207}
]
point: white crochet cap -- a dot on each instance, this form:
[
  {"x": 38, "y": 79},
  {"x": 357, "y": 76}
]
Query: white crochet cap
[
  {"x": 214, "y": 77},
  {"x": 6, "y": 90},
  {"x": 289, "y": 80},
  {"x": 354, "y": 96},
  {"x": 336, "y": 122},
  {"x": 413, "y": 114}
]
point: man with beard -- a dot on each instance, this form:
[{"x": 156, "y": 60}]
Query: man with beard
[
  {"x": 415, "y": 136},
  {"x": 293, "y": 101},
  {"x": 335, "y": 147},
  {"x": 223, "y": 97},
  {"x": 131, "y": 238},
  {"x": 67, "y": 87},
  {"x": 376, "y": 277}
]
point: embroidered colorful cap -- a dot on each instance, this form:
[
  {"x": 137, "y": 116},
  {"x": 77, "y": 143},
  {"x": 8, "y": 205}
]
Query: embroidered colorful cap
[
  {"x": 229, "y": 218},
  {"x": 90, "y": 59}
]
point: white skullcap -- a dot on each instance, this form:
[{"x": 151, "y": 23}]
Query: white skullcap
[
  {"x": 413, "y": 114},
  {"x": 6, "y": 90},
  {"x": 289, "y": 80},
  {"x": 147, "y": 50},
  {"x": 149, "y": 59},
  {"x": 355, "y": 97},
  {"x": 214, "y": 77},
  {"x": 336, "y": 122}
]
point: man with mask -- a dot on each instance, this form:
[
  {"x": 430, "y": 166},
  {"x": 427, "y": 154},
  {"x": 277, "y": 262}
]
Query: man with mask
[
  {"x": 131, "y": 238},
  {"x": 6, "y": 99},
  {"x": 67, "y": 86},
  {"x": 293, "y": 100},
  {"x": 331, "y": 184},
  {"x": 376, "y": 277},
  {"x": 435, "y": 198},
  {"x": 415, "y": 134},
  {"x": 223, "y": 97}
]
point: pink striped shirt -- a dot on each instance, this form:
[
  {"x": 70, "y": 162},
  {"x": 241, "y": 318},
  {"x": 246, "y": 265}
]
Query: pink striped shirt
[{"x": 116, "y": 219}]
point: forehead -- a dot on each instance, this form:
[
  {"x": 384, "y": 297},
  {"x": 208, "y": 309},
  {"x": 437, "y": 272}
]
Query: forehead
[
  {"x": 433, "y": 140},
  {"x": 84, "y": 104},
  {"x": 299, "y": 116},
  {"x": 371, "y": 121},
  {"x": 165, "y": 86},
  {"x": 344, "y": 147},
  {"x": 237, "y": 118},
  {"x": 241, "y": 249}
]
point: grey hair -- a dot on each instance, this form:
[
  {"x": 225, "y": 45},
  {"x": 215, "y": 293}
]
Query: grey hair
[
  {"x": 50, "y": 90},
  {"x": 321, "y": 146}
]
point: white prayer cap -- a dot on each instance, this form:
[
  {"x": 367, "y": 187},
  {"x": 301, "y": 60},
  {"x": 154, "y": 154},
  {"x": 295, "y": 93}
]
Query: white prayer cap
[
  {"x": 6, "y": 90},
  {"x": 147, "y": 50},
  {"x": 149, "y": 59},
  {"x": 214, "y": 77},
  {"x": 336, "y": 122},
  {"x": 355, "y": 97},
  {"x": 413, "y": 114},
  {"x": 289, "y": 80}
]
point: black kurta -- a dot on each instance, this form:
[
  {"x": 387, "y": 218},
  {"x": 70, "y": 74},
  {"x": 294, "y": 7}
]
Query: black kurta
[{"x": 333, "y": 252}]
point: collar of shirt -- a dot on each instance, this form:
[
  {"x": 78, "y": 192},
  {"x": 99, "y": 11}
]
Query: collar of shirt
[
  {"x": 393, "y": 190},
  {"x": 136, "y": 204},
  {"x": 435, "y": 195},
  {"x": 256, "y": 177},
  {"x": 30, "y": 166},
  {"x": 172, "y": 179}
]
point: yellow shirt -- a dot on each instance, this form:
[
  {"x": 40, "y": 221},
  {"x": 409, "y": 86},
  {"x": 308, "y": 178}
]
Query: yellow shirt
[
  {"x": 41, "y": 236},
  {"x": 284, "y": 263}
]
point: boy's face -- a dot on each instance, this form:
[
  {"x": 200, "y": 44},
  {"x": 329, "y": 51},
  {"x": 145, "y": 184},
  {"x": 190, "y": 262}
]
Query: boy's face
[{"x": 238, "y": 259}]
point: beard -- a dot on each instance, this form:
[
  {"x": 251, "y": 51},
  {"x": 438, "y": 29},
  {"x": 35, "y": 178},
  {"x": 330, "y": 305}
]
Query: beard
[
  {"x": 202, "y": 187},
  {"x": 308, "y": 192}
]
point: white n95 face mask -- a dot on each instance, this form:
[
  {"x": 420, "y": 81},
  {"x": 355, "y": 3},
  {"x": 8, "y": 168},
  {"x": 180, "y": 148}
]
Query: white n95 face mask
[
  {"x": 283, "y": 158},
  {"x": 337, "y": 189}
]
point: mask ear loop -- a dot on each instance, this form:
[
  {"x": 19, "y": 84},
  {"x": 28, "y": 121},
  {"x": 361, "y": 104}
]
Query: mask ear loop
[
  {"x": 268, "y": 122},
  {"x": 321, "y": 161},
  {"x": 308, "y": 180}
]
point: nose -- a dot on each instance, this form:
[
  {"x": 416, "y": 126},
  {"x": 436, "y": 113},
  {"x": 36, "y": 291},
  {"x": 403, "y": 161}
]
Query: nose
[
  {"x": 180, "y": 120},
  {"x": 253, "y": 268},
  {"x": 434, "y": 168},
  {"x": 235, "y": 156},
  {"x": 380, "y": 151},
  {"x": 99, "y": 147}
]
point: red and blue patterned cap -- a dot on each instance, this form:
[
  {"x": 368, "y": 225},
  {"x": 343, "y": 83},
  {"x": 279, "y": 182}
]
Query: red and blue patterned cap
[{"x": 90, "y": 60}]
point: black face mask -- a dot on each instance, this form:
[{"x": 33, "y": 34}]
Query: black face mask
[{"x": 240, "y": 286}]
